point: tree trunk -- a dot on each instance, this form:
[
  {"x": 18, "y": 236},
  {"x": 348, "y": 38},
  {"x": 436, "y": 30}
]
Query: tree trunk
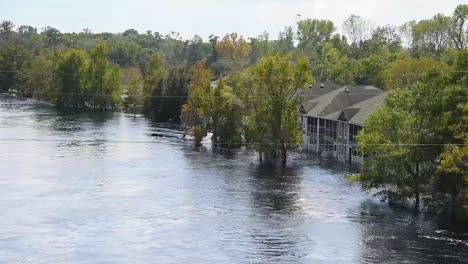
[
  {"x": 416, "y": 187},
  {"x": 417, "y": 199},
  {"x": 284, "y": 154}
]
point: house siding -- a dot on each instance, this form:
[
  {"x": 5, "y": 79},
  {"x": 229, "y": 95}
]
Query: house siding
[{"x": 327, "y": 130}]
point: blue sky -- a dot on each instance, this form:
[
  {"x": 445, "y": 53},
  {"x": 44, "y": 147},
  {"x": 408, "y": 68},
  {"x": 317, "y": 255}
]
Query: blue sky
[{"x": 205, "y": 17}]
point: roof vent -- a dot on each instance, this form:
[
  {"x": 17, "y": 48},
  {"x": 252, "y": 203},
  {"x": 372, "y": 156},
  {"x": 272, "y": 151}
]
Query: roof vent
[
  {"x": 347, "y": 90},
  {"x": 310, "y": 86},
  {"x": 322, "y": 86}
]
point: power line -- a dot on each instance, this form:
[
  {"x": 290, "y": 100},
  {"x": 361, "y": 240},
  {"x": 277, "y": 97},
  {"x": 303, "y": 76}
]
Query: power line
[
  {"x": 251, "y": 77},
  {"x": 322, "y": 60},
  {"x": 342, "y": 93}
]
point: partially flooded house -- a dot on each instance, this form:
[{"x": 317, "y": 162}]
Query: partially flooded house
[{"x": 332, "y": 116}]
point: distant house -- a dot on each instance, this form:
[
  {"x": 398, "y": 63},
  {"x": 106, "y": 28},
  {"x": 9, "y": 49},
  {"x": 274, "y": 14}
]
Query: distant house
[{"x": 331, "y": 117}]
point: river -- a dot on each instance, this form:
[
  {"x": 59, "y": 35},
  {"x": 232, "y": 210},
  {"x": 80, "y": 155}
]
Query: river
[{"x": 112, "y": 188}]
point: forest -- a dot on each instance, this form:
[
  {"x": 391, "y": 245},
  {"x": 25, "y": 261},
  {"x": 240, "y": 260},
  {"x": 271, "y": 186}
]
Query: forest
[{"x": 244, "y": 90}]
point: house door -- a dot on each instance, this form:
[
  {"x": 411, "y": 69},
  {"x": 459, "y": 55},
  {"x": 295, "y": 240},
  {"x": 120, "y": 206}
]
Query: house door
[{"x": 350, "y": 159}]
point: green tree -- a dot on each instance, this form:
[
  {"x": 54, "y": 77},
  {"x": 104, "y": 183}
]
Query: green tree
[
  {"x": 385, "y": 37},
  {"x": 102, "y": 81},
  {"x": 133, "y": 90},
  {"x": 36, "y": 80},
  {"x": 286, "y": 40},
  {"x": 233, "y": 51},
  {"x": 197, "y": 50},
  {"x": 261, "y": 47},
  {"x": 335, "y": 66},
  {"x": 153, "y": 86},
  {"x": 15, "y": 64},
  {"x": 371, "y": 70},
  {"x": 273, "y": 127},
  {"x": 357, "y": 30},
  {"x": 431, "y": 36},
  {"x": 69, "y": 72},
  {"x": 225, "y": 115},
  {"x": 196, "y": 112},
  {"x": 52, "y": 35},
  {"x": 312, "y": 34},
  {"x": 458, "y": 28},
  {"x": 452, "y": 170},
  {"x": 400, "y": 143},
  {"x": 6, "y": 26},
  {"x": 405, "y": 72},
  {"x": 176, "y": 90}
]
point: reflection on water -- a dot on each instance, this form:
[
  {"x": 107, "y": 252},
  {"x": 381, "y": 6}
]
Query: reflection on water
[{"x": 110, "y": 199}]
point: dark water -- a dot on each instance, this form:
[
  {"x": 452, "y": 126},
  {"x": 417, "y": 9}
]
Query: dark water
[{"x": 83, "y": 197}]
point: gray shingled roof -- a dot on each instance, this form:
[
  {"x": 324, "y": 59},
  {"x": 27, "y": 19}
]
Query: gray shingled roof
[
  {"x": 307, "y": 106},
  {"x": 331, "y": 104},
  {"x": 322, "y": 102},
  {"x": 366, "y": 108},
  {"x": 317, "y": 90},
  {"x": 357, "y": 114},
  {"x": 308, "y": 93}
]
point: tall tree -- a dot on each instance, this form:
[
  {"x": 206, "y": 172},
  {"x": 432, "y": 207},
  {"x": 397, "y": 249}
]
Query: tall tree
[
  {"x": 400, "y": 143},
  {"x": 6, "y": 26},
  {"x": 452, "y": 170},
  {"x": 153, "y": 86},
  {"x": 357, "y": 29},
  {"x": 431, "y": 36},
  {"x": 102, "y": 80},
  {"x": 458, "y": 29},
  {"x": 405, "y": 72},
  {"x": 233, "y": 52},
  {"x": 286, "y": 40},
  {"x": 69, "y": 71},
  {"x": 133, "y": 90},
  {"x": 312, "y": 34},
  {"x": 273, "y": 128},
  {"x": 406, "y": 33},
  {"x": 197, "y": 50},
  {"x": 52, "y": 35},
  {"x": 196, "y": 112}
]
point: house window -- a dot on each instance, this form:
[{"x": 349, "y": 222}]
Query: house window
[
  {"x": 345, "y": 131},
  {"x": 354, "y": 130},
  {"x": 330, "y": 129},
  {"x": 311, "y": 125},
  {"x": 313, "y": 141},
  {"x": 340, "y": 149}
]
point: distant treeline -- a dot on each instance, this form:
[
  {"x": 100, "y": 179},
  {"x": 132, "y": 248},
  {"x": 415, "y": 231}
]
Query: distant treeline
[{"x": 40, "y": 62}]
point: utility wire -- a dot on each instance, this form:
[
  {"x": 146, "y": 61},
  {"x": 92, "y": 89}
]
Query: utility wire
[
  {"x": 256, "y": 77},
  {"x": 342, "y": 93},
  {"x": 178, "y": 62}
]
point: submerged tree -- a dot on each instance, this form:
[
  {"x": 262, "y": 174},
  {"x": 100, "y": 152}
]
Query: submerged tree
[
  {"x": 272, "y": 127},
  {"x": 400, "y": 143},
  {"x": 153, "y": 86},
  {"x": 69, "y": 79},
  {"x": 102, "y": 81},
  {"x": 133, "y": 102},
  {"x": 196, "y": 112},
  {"x": 452, "y": 171}
]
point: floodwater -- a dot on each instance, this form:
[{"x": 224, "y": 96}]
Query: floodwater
[{"x": 112, "y": 188}]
